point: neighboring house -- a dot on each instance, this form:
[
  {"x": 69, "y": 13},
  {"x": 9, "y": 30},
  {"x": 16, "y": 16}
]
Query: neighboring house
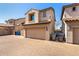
[
  {"x": 39, "y": 24},
  {"x": 6, "y": 29},
  {"x": 17, "y": 25},
  {"x": 70, "y": 22},
  {"x": 10, "y": 21}
]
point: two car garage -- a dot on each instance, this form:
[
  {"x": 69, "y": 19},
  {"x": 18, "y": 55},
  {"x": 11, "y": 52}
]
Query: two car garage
[{"x": 37, "y": 33}]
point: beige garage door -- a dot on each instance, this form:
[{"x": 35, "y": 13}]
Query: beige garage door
[
  {"x": 4, "y": 32},
  {"x": 38, "y": 33},
  {"x": 76, "y": 36}
]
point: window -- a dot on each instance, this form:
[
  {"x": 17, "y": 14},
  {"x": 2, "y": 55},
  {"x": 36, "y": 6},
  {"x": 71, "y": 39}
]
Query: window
[
  {"x": 10, "y": 22},
  {"x": 44, "y": 14},
  {"x": 32, "y": 17},
  {"x": 74, "y": 8}
]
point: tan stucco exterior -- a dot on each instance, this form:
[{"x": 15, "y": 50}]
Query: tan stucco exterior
[
  {"x": 36, "y": 13},
  {"x": 76, "y": 35},
  {"x": 41, "y": 31},
  {"x": 4, "y": 30},
  {"x": 17, "y": 24},
  {"x": 37, "y": 31},
  {"x": 70, "y": 23},
  {"x": 72, "y": 31},
  {"x": 41, "y": 27}
]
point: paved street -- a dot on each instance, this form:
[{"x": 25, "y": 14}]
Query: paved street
[{"x": 17, "y": 45}]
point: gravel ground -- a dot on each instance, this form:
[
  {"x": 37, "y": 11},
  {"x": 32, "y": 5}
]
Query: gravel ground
[{"x": 12, "y": 45}]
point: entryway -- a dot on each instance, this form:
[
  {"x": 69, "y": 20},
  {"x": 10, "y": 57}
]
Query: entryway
[{"x": 17, "y": 33}]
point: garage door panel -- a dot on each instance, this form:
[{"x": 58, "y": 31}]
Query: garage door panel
[
  {"x": 76, "y": 35},
  {"x": 4, "y": 32},
  {"x": 38, "y": 33}
]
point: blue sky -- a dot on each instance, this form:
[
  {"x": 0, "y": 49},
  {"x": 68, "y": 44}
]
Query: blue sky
[{"x": 12, "y": 10}]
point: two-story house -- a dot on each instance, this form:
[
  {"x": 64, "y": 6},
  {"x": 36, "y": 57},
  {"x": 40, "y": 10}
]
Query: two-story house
[
  {"x": 70, "y": 22},
  {"x": 18, "y": 25},
  {"x": 39, "y": 24}
]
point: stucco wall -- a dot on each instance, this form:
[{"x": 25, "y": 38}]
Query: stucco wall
[
  {"x": 16, "y": 21},
  {"x": 41, "y": 31},
  {"x": 5, "y": 31},
  {"x": 23, "y": 32},
  {"x": 11, "y": 21},
  {"x": 69, "y": 36},
  {"x": 19, "y": 21},
  {"x": 39, "y": 16},
  {"x": 68, "y": 26},
  {"x": 69, "y": 33},
  {"x": 52, "y": 24},
  {"x": 69, "y": 13},
  {"x": 49, "y": 15}
]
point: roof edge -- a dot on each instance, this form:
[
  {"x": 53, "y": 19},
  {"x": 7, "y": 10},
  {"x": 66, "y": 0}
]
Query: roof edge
[{"x": 37, "y": 23}]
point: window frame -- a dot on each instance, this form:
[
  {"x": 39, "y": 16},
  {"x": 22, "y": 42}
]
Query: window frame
[
  {"x": 31, "y": 17},
  {"x": 74, "y": 8},
  {"x": 44, "y": 14}
]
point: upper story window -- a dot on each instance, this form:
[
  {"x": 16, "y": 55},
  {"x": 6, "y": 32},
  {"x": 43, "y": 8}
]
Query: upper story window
[
  {"x": 31, "y": 17},
  {"x": 74, "y": 8},
  {"x": 44, "y": 14},
  {"x": 10, "y": 22}
]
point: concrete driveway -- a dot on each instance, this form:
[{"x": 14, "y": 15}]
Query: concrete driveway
[{"x": 17, "y": 45}]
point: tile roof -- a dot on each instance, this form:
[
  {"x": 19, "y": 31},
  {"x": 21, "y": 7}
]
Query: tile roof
[
  {"x": 71, "y": 19},
  {"x": 39, "y": 10},
  {"x": 71, "y": 5}
]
